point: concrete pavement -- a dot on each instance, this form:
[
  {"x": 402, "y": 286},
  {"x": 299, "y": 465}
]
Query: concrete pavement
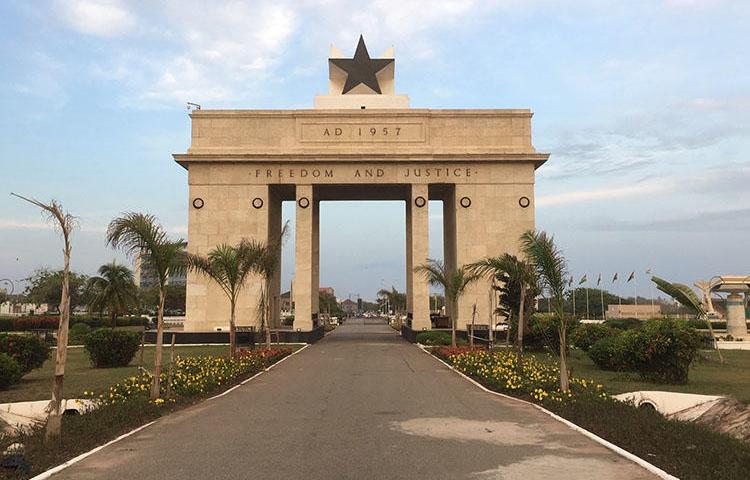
[{"x": 361, "y": 403}]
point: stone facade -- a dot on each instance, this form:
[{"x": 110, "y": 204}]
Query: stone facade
[{"x": 243, "y": 163}]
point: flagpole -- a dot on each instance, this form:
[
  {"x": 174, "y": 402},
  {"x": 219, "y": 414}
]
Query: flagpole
[
  {"x": 604, "y": 313},
  {"x": 587, "y": 303},
  {"x": 635, "y": 290}
]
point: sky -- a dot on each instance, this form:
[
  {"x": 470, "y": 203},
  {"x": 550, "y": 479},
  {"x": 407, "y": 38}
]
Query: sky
[{"x": 643, "y": 105}]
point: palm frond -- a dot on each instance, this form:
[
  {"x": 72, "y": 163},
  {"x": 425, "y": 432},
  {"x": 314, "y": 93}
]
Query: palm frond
[{"x": 682, "y": 293}]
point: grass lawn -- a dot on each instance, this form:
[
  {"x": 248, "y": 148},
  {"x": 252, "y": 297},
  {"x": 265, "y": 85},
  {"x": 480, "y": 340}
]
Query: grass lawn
[
  {"x": 80, "y": 376},
  {"x": 707, "y": 375}
]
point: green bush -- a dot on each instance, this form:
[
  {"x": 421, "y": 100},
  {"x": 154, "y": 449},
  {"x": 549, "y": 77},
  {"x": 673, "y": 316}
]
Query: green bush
[
  {"x": 111, "y": 348},
  {"x": 662, "y": 350},
  {"x": 623, "y": 323},
  {"x": 77, "y": 333},
  {"x": 543, "y": 333},
  {"x": 7, "y": 324},
  {"x": 434, "y": 338},
  {"x": 30, "y": 351},
  {"x": 10, "y": 371},
  {"x": 609, "y": 353},
  {"x": 587, "y": 334}
]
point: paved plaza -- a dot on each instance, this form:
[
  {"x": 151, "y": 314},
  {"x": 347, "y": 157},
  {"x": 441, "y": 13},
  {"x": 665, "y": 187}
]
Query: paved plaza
[{"x": 361, "y": 403}]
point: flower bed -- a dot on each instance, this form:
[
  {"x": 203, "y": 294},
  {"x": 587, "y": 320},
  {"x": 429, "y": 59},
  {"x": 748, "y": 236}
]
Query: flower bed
[
  {"x": 527, "y": 377},
  {"x": 193, "y": 376}
]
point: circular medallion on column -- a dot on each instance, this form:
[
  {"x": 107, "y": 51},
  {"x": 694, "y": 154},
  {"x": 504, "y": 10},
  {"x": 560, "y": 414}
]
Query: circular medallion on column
[
  {"x": 257, "y": 202},
  {"x": 197, "y": 203},
  {"x": 465, "y": 202},
  {"x": 420, "y": 202},
  {"x": 303, "y": 202},
  {"x": 524, "y": 202}
]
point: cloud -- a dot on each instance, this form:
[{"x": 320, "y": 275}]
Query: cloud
[
  {"x": 704, "y": 221},
  {"x": 659, "y": 186},
  {"x": 99, "y": 18}
]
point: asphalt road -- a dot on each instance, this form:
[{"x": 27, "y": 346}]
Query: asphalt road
[{"x": 362, "y": 403}]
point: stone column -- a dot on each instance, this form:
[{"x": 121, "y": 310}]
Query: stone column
[
  {"x": 316, "y": 258},
  {"x": 449, "y": 235},
  {"x": 274, "y": 235},
  {"x": 417, "y": 234},
  {"x": 303, "y": 262},
  {"x": 736, "y": 322}
]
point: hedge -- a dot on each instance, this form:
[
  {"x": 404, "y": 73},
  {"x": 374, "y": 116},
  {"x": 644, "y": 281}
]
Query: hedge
[
  {"x": 587, "y": 334},
  {"x": 51, "y": 322}
]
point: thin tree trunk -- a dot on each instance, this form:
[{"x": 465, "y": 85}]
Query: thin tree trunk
[
  {"x": 471, "y": 335},
  {"x": 170, "y": 375},
  {"x": 267, "y": 312},
  {"x": 520, "y": 328},
  {"x": 54, "y": 421},
  {"x": 232, "y": 330},
  {"x": 509, "y": 320},
  {"x": 454, "y": 322},
  {"x": 713, "y": 338},
  {"x": 564, "y": 380},
  {"x": 156, "y": 385}
]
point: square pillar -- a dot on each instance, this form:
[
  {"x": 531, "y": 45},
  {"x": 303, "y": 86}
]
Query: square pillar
[
  {"x": 303, "y": 261},
  {"x": 274, "y": 235},
  {"x": 316, "y": 257},
  {"x": 417, "y": 243}
]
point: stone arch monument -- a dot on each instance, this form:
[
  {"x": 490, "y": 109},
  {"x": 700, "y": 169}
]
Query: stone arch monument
[{"x": 362, "y": 141}]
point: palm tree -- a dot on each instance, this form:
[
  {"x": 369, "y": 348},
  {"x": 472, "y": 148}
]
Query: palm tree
[
  {"x": 66, "y": 222},
  {"x": 688, "y": 299},
  {"x": 519, "y": 286},
  {"x": 113, "y": 290},
  {"x": 551, "y": 269},
  {"x": 141, "y": 234},
  {"x": 267, "y": 264},
  {"x": 454, "y": 283},
  {"x": 229, "y": 267}
]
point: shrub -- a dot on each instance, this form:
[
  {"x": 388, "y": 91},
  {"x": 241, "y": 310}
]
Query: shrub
[
  {"x": 434, "y": 338},
  {"x": 10, "y": 371},
  {"x": 662, "y": 350},
  {"x": 29, "y": 351},
  {"x": 609, "y": 353},
  {"x": 587, "y": 334},
  {"x": 543, "y": 333},
  {"x": 111, "y": 348},
  {"x": 623, "y": 323},
  {"x": 77, "y": 333},
  {"x": 7, "y": 324}
]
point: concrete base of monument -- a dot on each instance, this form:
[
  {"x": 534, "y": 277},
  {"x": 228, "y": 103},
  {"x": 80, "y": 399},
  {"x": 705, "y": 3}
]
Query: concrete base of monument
[
  {"x": 481, "y": 337},
  {"x": 243, "y": 337}
]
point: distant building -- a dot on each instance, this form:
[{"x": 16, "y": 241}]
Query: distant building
[
  {"x": 286, "y": 302},
  {"x": 349, "y": 306},
  {"x": 145, "y": 277},
  {"x": 328, "y": 290},
  {"x": 17, "y": 309},
  {"x": 641, "y": 312}
]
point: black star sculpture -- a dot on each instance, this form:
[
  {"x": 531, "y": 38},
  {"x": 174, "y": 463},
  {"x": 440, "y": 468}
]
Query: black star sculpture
[{"x": 361, "y": 68}]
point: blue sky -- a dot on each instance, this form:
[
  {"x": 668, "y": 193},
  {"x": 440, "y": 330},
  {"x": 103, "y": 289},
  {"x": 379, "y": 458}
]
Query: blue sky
[{"x": 644, "y": 106}]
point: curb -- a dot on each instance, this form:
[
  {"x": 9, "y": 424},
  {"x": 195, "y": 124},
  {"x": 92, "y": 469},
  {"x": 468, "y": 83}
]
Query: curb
[
  {"x": 48, "y": 473},
  {"x": 611, "y": 446}
]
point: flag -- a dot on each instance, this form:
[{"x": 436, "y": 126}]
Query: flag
[
  {"x": 583, "y": 280},
  {"x": 599, "y": 280},
  {"x": 632, "y": 276},
  {"x": 614, "y": 279}
]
